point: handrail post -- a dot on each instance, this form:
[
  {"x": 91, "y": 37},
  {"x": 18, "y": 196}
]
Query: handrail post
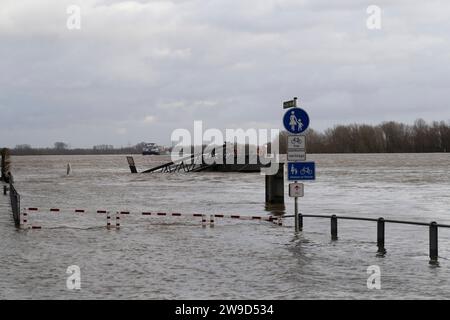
[
  {"x": 300, "y": 222},
  {"x": 433, "y": 243},
  {"x": 334, "y": 227},
  {"x": 108, "y": 220},
  {"x": 380, "y": 237}
]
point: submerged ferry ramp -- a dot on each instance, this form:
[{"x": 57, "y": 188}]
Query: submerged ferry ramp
[{"x": 205, "y": 162}]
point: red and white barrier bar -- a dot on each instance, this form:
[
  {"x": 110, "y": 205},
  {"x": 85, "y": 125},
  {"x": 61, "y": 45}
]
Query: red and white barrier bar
[
  {"x": 212, "y": 217},
  {"x": 58, "y": 210}
]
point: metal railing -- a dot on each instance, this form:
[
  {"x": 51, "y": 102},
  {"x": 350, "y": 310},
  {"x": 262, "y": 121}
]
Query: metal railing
[
  {"x": 433, "y": 230},
  {"x": 15, "y": 202}
]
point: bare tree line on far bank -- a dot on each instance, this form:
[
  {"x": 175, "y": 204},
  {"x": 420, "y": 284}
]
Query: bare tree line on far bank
[
  {"x": 388, "y": 137},
  {"x": 62, "y": 148}
]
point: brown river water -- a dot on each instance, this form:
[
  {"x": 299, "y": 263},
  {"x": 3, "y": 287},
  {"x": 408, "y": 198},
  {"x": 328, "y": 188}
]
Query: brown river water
[{"x": 175, "y": 258}]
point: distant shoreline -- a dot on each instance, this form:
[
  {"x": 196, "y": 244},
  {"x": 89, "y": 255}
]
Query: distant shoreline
[{"x": 75, "y": 153}]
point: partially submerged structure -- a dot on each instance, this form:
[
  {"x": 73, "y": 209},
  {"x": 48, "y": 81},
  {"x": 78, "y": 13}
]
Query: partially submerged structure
[
  {"x": 203, "y": 162},
  {"x": 231, "y": 161}
]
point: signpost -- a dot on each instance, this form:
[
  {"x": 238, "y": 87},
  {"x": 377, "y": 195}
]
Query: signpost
[
  {"x": 296, "y": 121},
  {"x": 296, "y": 190}
]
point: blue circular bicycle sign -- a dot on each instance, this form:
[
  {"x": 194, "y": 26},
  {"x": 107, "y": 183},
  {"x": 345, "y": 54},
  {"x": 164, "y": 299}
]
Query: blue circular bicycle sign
[{"x": 296, "y": 120}]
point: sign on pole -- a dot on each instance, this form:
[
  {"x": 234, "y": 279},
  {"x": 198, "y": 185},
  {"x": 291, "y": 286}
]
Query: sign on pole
[
  {"x": 296, "y": 190},
  {"x": 290, "y": 104},
  {"x": 296, "y": 148},
  {"x": 301, "y": 171},
  {"x": 296, "y": 120}
]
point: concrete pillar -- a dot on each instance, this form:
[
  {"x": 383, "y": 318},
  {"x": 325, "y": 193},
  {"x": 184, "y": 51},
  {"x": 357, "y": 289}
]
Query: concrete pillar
[
  {"x": 275, "y": 187},
  {"x": 5, "y": 165}
]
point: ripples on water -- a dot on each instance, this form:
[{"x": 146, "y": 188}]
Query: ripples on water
[{"x": 171, "y": 258}]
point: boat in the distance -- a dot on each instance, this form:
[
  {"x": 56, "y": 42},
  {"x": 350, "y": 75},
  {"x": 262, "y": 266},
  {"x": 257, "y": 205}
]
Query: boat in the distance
[{"x": 151, "y": 149}]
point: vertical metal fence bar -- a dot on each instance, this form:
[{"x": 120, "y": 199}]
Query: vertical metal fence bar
[
  {"x": 380, "y": 236},
  {"x": 433, "y": 243},
  {"x": 334, "y": 227}
]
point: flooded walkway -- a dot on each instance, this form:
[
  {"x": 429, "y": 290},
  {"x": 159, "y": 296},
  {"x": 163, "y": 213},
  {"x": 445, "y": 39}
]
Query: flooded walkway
[{"x": 168, "y": 258}]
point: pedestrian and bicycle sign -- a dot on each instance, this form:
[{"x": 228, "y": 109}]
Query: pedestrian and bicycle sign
[
  {"x": 301, "y": 171},
  {"x": 296, "y": 147},
  {"x": 296, "y": 120},
  {"x": 296, "y": 141}
]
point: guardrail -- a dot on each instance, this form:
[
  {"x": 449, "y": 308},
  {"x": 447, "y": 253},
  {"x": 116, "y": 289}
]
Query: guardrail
[
  {"x": 433, "y": 230},
  {"x": 15, "y": 202}
]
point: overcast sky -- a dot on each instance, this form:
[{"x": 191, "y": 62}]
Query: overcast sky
[{"x": 137, "y": 70}]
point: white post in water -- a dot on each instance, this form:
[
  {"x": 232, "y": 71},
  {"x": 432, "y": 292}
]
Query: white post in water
[
  {"x": 296, "y": 190},
  {"x": 117, "y": 220},
  {"x": 204, "y": 220},
  {"x": 108, "y": 220},
  {"x": 24, "y": 220}
]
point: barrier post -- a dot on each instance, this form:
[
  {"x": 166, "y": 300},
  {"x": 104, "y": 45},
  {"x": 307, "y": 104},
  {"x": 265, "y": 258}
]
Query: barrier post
[
  {"x": 24, "y": 220},
  {"x": 211, "y": 221},
  {"x": 334, "y": 227},
  {"x": 204, "y": 220},
  {"x": 117, "y": 220},
  {"x": 433, "y": 243},
  {"x": 108, "y": 220},
  {"x": 132, "y": 165},
  {"x": 380, "y": 237},
  {"x": 300, "y": 222}
]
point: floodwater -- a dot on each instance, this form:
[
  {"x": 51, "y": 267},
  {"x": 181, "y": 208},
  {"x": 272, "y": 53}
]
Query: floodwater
[{"x": 175, "y": 258}]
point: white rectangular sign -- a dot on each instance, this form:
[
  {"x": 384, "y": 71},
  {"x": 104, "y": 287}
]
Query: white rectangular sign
[
  {"x": 296, "y": 190},
  {"x": 296, "y": 156},
  {"x": 296, "y": 141},
  {"x": 296, "y": 148}
]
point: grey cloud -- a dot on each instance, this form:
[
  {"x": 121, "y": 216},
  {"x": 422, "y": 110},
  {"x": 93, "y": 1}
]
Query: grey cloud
[{"x": 228, "y": 63}]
